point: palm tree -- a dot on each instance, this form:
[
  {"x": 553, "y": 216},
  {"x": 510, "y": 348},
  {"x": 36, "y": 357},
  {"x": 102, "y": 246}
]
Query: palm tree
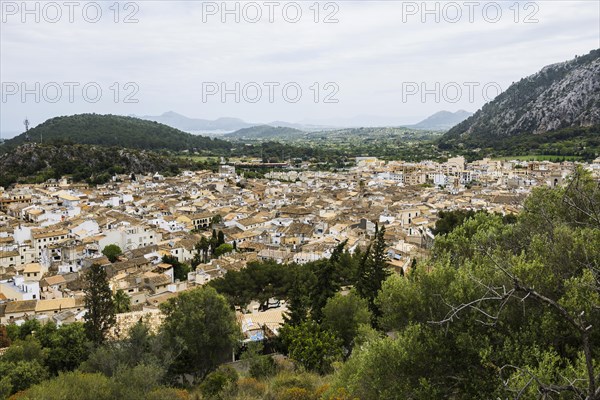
[{"x": 122, "y": 302}]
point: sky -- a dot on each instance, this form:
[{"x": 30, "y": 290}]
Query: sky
[{"x": 330, "y": 62}]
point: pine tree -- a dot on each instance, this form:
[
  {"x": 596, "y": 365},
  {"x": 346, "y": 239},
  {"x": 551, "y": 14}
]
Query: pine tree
[
  {"x": 100, "y": 316},
  {"x": 328, "y": 282},
  {"x": 297, "y": 302}
]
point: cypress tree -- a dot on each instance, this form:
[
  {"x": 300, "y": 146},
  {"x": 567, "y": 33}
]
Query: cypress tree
[{"x": 100, "y": 316}]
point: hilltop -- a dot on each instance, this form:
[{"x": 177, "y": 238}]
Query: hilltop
[{"x": 115, "y": 130}]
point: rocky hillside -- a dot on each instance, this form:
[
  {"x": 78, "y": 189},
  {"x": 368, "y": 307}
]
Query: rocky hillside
[
  {"x": 36, "y": 163},
  {"x": 560, "y": 96}
]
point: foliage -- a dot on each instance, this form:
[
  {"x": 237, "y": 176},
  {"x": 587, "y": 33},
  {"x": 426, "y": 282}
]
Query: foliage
[
  {"x": 514, "y": 305},
  {"x": 448, "y": 220},
  {"x": 327, "y": 281},
  {"x": 180, "y": 270},
  {"x": 218, "y": 382},
  {"x": 223, "y": 249},
  {"x": 344, "y": 314},
  {"x": 313, "y": 347},
  {"x": 136, "y": 384},
  {"x": 4, "y": 337},
  {"x": 140, "y": 347},
  {"x": 66, "y": 346},
  {"x": 100, "y": 315},
  {"x": 259, "y": 366},
  {"x": 122, "y": 301},
  {"x": 112, "y": 252},
  {"x": 201, "y": 322},
  {"x": 373, "y": 271}
]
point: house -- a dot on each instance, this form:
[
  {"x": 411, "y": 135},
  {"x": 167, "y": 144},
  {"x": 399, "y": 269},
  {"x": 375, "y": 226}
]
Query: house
[
  {"x": 52, "y": 307},
  {"x": 52, "y": 286},
  {"x": 18, "y": 309}
]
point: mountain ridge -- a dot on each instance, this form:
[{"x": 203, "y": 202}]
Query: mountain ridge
[{"x": 560, "y": 96}]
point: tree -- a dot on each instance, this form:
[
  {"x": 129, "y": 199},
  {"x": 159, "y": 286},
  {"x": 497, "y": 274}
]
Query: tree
[
  {"x": 218, "y": 382},
  {"x": 223, "y": 249},
  {"x": 22, "y": 365},
  {"x": 122, "y": 302},
  {"x": 139, "y": 347},
  {"x": 201, "y": 322},
  {"x": 344, "y": 314},
  {"x": 313, "y": 347},
  {"x": 448, "y": 220},
  {"x": 4, "y": 338},
  {"x": 202, "y": 250},
  {"x": 327, "y": 283},
  {"x": 217, "y": 219},
  {"x": 68, "y": 348},
  {"x": 297, "y": 306},
  {"x": 373, "y": 271},
  {"x": 100, "y": 315},
  {"x": 515, "y": 306},
  {"x": 214, "y": 241},
  {"x": 180, "y": 270},
  {"x": 401, "y": 368},
  {"x": 220, "y": 238},
  {"x": 259, "y": 366},
  {"x": 112, "y": 252}
]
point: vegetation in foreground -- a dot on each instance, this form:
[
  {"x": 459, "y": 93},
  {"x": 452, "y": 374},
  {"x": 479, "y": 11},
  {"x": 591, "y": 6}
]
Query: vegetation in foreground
[{"x": 503, "y": 309}]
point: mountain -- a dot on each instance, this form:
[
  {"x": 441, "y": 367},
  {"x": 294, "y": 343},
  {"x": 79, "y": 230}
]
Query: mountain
[
  {"x": 264, "y": 132},
  {"x": 115, "y": 130},
  {"x": 563, "y": 96},
  {"x": 184, "y": 123},
  {"x": 442, "y": 120}
]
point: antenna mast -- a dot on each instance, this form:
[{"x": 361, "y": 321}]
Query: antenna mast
[{"x": 26, "y": 123}]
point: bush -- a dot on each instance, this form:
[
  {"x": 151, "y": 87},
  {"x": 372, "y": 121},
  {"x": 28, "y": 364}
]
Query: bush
[
  {"x": 262, "y": 367},
  {"x": 250, "y": 387},
  {"x": 219, "y": 381}
]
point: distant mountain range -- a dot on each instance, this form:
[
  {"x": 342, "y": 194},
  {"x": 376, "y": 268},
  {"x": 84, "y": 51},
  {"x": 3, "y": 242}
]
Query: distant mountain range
[
  {"x": 561, "y": 102},
  {"x": 184, "y": 123},
  {"x": 222, "y": 125},
  {"x": 442, "y": 121}
]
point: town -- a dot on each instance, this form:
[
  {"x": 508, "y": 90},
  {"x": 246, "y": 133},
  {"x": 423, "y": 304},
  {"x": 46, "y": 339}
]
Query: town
[{"x": 50, "y": 233}]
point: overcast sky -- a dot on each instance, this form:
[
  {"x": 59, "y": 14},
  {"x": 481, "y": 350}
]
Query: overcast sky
[{"x": 375, "y": 61}]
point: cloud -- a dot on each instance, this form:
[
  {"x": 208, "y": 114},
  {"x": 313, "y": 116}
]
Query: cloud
[{"x": 374, "y": 48}]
